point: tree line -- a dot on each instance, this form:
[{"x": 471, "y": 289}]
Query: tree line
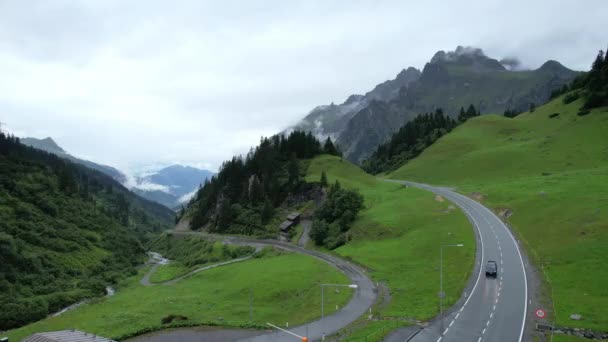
[
  {"x": 66, "y": 232},
  {"x": 413, "y": 137},
  {"x": 243, "y": 196},
  {"x": 591, "y": 86}
]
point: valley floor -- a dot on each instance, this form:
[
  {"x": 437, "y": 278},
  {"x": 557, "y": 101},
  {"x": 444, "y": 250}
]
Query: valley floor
[{"x": 284, "y": 287}]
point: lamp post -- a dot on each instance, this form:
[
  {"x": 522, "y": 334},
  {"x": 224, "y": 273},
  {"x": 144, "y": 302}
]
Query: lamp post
[{"x": 441, "y": 294}]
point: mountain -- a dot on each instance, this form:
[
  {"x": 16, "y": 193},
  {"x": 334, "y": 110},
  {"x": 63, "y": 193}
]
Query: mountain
[
  {"x": 330, "y": 120},
  {"x": 449, "y": 81},
  {"x": 66, "y": 232},
  {"x": 49, "y": 145},
  {"x": 172, "y": 185}
]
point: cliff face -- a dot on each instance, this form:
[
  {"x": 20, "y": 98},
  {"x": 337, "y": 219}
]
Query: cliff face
[{"x": 449, "y": 81}]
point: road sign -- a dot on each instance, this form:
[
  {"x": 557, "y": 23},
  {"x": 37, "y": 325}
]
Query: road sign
[{"x": 540, "y": 313}]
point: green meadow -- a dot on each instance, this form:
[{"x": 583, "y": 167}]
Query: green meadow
[
  {"x": 285, "y": 288},
  {"x": 550, "y": 175},
  {"x": 397, "y": 237}
]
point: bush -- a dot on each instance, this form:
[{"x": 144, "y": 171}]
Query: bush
[
  {"x": 171, "y": 318},
  {"x": 334, "y": 217},
  {"x": 554, "y": 115},
  {"x": 571, "y": 97},
  {"x": 583, "y": 111}
]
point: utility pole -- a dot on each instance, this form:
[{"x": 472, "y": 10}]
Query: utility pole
[{"x": 250, "y": 305}]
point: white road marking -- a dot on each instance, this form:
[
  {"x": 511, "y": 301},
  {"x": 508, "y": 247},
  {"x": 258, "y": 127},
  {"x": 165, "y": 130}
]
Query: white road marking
[
  {"x": 446, "y": 330},
  {"x": 479, "y": 339},
  {"x": 487, "y": 323},
  {"x": 491, "y": 314},
  {"x": 494, "y": 307},
  {"x": 484, "y": 331},
  {"x": 451, "y": 324},
  {"x": 458, "y": 314},
  {"x": 439, "y": 339},
  {"x": 523, "y": 268}
]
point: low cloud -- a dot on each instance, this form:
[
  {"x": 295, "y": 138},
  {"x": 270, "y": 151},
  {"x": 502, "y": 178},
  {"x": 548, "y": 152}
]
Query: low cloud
[{"x": 196, "y": 82}]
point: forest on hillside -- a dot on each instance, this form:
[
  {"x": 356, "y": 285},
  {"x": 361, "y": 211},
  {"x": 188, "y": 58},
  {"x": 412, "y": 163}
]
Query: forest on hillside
[
  {"x": 66, "y": 232},
  {"x": 412, "y": 138},
  {"x": 591, "y": 86},
  {"x": 243, "y": 196}
]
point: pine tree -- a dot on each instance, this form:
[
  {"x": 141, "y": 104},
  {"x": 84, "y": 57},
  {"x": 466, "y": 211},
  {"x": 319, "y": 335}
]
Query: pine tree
[
  {"x": 293, "y": 170},
  {"x": 323, "y": 179},
  {"x": 462, "y": 117},
  {"x": 471, "y": 112},
  {"x": 267, "y": 211},
  {"x": 329, "y": 147}
]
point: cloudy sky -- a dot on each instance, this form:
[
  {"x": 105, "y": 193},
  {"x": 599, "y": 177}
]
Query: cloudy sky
[{"x": 140, "y": 83}]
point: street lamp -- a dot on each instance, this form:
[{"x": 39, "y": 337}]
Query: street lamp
[
  {"x": 441, "y": 294},
  {"x": 352, "y": 286}
]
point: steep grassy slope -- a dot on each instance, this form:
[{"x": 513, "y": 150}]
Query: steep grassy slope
[
  {"x": 284, "y": 287},
  {"x": 397, "y": 237},
  {"x": 552, "y": 174}
]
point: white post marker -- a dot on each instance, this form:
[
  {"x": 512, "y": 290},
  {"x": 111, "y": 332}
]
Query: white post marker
[{"x": 540, "y": 313}]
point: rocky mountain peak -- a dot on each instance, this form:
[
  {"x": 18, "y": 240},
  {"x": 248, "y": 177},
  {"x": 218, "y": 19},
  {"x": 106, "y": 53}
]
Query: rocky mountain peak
[
  {"x": 468, "y": 56},
  {"x": 410, "y": 74},
  {"x": 353, "y": 98},
  {"x": 553, "y": 66}
]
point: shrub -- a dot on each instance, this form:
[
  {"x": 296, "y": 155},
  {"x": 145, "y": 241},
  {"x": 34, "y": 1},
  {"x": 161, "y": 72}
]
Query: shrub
[
  {"x": 171, "y": 318},
  {"x": 571, "y": 97},
  {"x": 554, "y": 115},
  {"x": 583, "y": 111},
  {"x": 334, "y": 217}
]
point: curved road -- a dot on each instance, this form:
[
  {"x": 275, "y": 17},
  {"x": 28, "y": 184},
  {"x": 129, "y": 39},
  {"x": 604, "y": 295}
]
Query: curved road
[
  {"x": 145, "y": 280},
  {"x": 496, "y": 308},
  {"x": 364, "y": 296}
]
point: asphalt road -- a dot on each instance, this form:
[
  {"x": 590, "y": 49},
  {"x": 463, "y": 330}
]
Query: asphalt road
[
  {"x": 362, "y": 300},
  {"x": 496, "y": 308}
]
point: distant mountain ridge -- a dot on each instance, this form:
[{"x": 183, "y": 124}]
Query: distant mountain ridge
[
  {"x": 449, "y": 81},
  {"x": 173, "y": 185},
  {"x": 49, "y": 145}
]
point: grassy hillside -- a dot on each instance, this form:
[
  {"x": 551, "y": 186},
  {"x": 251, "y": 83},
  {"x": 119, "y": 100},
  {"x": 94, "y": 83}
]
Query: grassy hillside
[
  {"x": 66, "y": 232},
  {"x": 187, "y": 253},
  {"x": 285, "y": 288},
  {"x": 397, "y": 236},
  {"x": 552, "y": 174}
]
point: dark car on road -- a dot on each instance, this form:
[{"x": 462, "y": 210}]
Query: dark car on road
[{"x": 491, "y": 269}]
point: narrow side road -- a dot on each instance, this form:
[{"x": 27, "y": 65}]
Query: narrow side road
[
  {"x": 496, "y": 308},
  {"x": 362, "y": 300},
  {"x": 145, "y": 280}
]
